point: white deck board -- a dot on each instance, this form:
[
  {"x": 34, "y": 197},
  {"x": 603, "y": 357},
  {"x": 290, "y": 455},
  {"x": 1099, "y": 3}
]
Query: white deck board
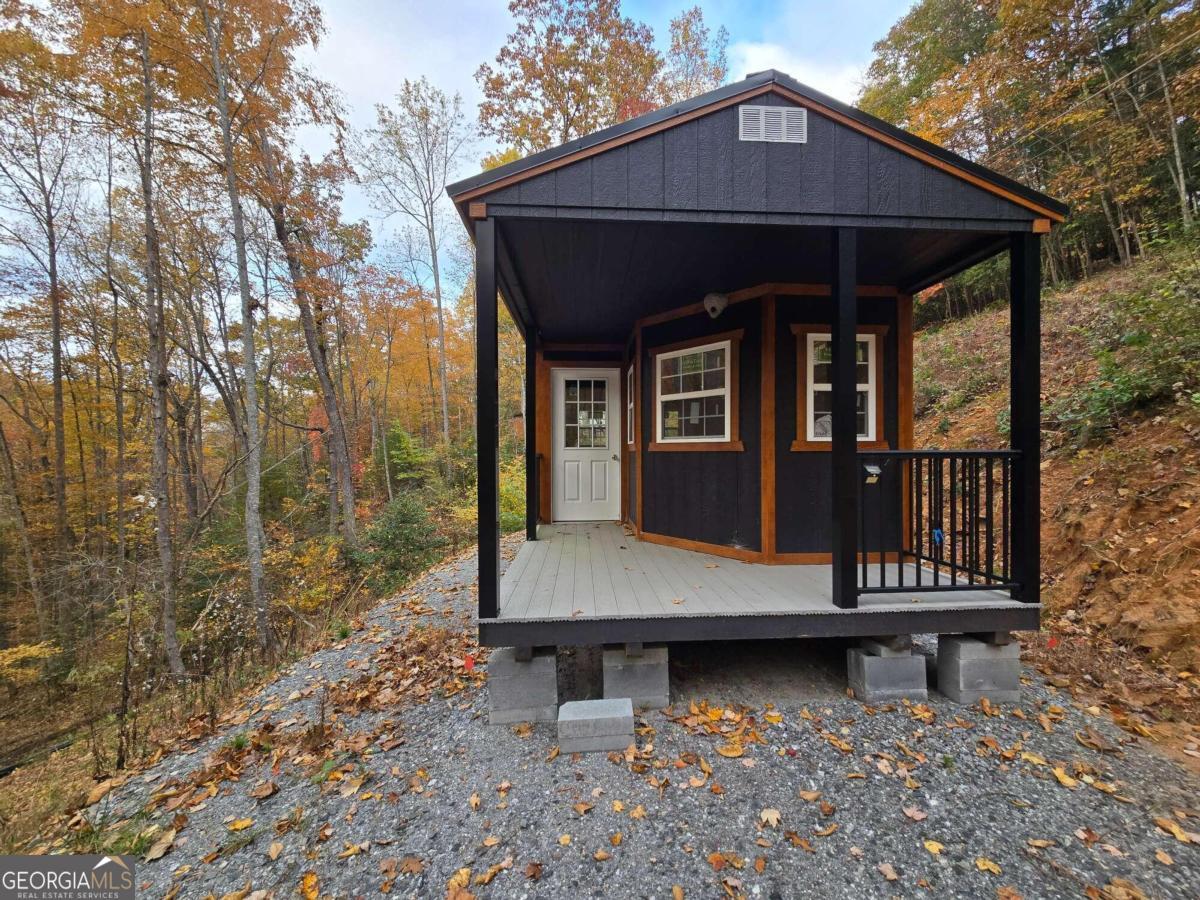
[{"x": 584, "y": 570}]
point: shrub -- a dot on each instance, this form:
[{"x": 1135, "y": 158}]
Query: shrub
[{"x": 402, "y": 542}]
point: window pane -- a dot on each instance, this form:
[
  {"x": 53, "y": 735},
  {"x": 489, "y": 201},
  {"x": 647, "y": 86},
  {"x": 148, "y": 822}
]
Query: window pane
[
  {"x": 570, "y": 413},
  {"x": 585, "y": 437},
  {"x": 572, "y": 389},
  {"x": 863, "y": 373},
  {"x": 822, "y": 351},
  {"x": 693, "y": 422},
  {"x": 693, "y": 382},
  {"x": 600, "y": 437},
  {"x": 860, "y": 351},
  {"x": 671, "y": 384},
  {"x": 714, "y": 379},
  {"x": 714, "y": 426},
  {"x": 692, "y": 362},
  {"x": 599, "y": 414},
  {"x": 669, "y": 366},
  {"x": 672, "y": 411},
  {"x": 822, "y": 413},
  {"x": 571, "y": 437},
  {"x": 714, "y": 406},
  {"x": 599, "y": 390},
  {"x": 585, "y": 390},
  {"x": 861, "y": 410},
  {"x": 714, "y": 359}
]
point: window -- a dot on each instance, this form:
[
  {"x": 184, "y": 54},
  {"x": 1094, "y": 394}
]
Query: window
[
  {"x": 585, "y": 413},
  {"x": 814, "y": 405},
  {"x": 695, "y": 395},
  {"x": 629, "y": 406}
]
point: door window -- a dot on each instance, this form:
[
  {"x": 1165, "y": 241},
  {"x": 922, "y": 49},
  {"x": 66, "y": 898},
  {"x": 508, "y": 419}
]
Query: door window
[{"x": 585, "y": 413}]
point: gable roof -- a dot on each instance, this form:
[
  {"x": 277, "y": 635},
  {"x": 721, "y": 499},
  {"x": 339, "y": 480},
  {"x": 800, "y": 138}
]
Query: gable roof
[{"x": 758, "y": 84}]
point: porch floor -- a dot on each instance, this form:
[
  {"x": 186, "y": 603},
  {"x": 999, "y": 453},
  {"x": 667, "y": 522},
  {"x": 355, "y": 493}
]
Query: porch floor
[{"x": 590, "y": 582}]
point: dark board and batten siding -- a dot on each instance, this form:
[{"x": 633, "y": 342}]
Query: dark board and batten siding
[
  {"x": 700, "y": 165},
  {"x": 708, "y": 496}
]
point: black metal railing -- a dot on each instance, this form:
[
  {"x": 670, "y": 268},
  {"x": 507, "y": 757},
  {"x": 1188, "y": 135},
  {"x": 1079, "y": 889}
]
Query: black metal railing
[{"x": 935, "y": 520}]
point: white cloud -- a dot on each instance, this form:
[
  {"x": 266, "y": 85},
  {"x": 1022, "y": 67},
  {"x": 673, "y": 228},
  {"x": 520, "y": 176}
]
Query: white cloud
[{"x": 839, "y": 80}]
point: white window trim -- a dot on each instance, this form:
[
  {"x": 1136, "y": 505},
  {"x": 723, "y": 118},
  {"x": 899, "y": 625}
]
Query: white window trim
[
  {"x": 629, "y": 406},
  {"x": 659, "y": 396},
  {"x": 811, "y": 387}
]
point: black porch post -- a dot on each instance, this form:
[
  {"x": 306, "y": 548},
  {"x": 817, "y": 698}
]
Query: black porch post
[
  {"x": 845, "y": 420},
  {"x": 531, "y": 461},
  {"x": 1025, "y": 411},
  {"x": 487, "y": 412}
]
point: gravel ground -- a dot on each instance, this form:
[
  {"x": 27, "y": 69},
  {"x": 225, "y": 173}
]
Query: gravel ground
[{"x": 745, "y": 829}]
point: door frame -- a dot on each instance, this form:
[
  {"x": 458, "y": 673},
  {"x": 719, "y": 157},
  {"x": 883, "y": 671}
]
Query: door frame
[{"x": 616, "y": 426}]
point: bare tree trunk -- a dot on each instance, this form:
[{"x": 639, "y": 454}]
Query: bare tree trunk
[
  {"x": 253, "y": 468},
  {"x": 1179, "y": 171},
  {"x": 159, "y": 374},
  {"x": 431, "y": 232},
  {"x": 35, "y": 589},
  {"x": 314, "y": 339}
]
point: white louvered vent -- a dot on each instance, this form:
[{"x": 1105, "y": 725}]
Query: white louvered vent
[{"x": 777, "y": 124}]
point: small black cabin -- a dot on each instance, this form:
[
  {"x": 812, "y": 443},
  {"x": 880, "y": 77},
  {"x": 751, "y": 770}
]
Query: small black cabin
[{"x": 716, "y": 302}]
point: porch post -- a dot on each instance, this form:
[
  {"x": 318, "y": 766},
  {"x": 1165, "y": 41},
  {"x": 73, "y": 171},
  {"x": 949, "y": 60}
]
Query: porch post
[
  {"x": 487, "y": 410},
  {"x": 531, "y": 460},
  {"x": 1025, "y": 387},
  {"x": 844, "y": 427}
]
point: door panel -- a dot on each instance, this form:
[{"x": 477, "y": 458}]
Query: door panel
[{"x": 586, "y": 445}]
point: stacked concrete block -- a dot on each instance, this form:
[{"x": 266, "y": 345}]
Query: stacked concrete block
[
  {"x": 586, "y": 726},
  {"x": 644, "y": 678},
  {"x": 969, "y": 669},
  {"x": 522, "y": 690},
  {"x": 884, "y": 669}
]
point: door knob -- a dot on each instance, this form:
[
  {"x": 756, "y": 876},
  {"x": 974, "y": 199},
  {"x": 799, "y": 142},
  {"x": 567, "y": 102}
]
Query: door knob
[{"x": 614, "y": 457}]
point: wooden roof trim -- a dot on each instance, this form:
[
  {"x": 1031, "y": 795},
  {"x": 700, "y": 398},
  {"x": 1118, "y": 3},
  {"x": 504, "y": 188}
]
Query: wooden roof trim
[{"x": 769, "y": 88}]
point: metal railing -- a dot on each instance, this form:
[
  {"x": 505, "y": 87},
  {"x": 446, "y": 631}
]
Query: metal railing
[{"x": 947, "y": 512}]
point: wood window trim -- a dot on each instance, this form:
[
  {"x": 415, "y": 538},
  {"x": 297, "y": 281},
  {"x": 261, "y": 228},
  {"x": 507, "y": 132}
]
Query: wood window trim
[
  {"x": 732, "y": 371},
  {"x": 801, "y": 443},
  {"x": 630, "y": 393}
]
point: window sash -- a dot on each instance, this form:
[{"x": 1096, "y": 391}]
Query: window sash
[
  {"x": 724, "y": 392},
  {"x": 629, "y": 406},
  {"x": 869, "y": 387}
]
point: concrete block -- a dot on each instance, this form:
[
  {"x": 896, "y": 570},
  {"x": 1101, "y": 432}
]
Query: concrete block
[
  {"x": 880, "y": 678},
  {"x": 969, "y": 670},
  {"x": 591, "y": 725},
  {"x": 890, "y": 646},
  {"x": 643, "y": 679},
  {"x": 522, "y": 690}
]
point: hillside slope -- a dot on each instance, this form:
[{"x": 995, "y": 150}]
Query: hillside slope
[{"x": 1121, "y": 473}]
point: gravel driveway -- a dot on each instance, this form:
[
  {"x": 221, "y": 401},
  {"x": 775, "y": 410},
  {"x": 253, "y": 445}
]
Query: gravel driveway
[{"x": 816, "y": 797}]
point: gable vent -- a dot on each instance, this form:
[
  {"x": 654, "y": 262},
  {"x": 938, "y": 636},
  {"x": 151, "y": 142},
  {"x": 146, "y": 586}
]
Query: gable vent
[{"x": 776, "y": 124}]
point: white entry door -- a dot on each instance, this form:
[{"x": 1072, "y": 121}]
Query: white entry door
[{"x": 587, "y": 445}]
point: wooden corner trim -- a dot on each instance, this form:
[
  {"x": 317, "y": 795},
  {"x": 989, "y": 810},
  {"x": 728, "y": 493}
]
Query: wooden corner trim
[
  {"x": 800, "y": 445},
  {"x": 736, "y": 335},
  {"x": 1041, "y": 226},
  {"x": 477, "y": 210},
  {"x": 667, "y": 540}
]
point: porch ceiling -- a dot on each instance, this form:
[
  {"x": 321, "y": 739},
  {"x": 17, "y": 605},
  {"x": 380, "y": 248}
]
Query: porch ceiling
[{"x": 591, "y": 280}]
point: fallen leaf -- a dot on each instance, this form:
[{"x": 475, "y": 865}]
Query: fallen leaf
[
  {"x": 533, "y": 871},
  {"x": 915, "y": 814},
  {"x": 564, "y": 840},
  {"x": 983, "y": 864},
  {"x": 1064, "y": 779},
  {"x": 676, "y": 892},
  {"x": 827, "y": 831},
  {"x": 308, "y": 886},
  {"x": 887, "y": 871},
  {"x": 601, "y": 855},
  {"x": 1171, "y": 827},
  {"x": 491, "y": 841},
  {"x": 769, "y": 817},
  {"x": 160, "y": 847},
  {"x": 553, "y": 754},
  {"x": 934, "y": 847},
  {"x": 732, "y": 750},
  {"x": 582, "y": 808},
  {"x": 1164, "y": 857},
  {"x": 1040, "y": 843},
  {"x": 240, "y": 824},
  {"x": 760, "y": 864},
  {"x": 264, "y": 790},
  {"x": 412, "y": 865},
  {"x": 274, "y": 850},
  {"x": 475, "y": 802},
  {"x": 810, "y": 796}
]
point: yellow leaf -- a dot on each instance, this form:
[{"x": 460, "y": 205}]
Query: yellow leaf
[
  {"x": 564, "y": 840},
  {"x": 618, "y": 806},
  {"x": 601, "y": 855},
  {"x": 161, "y": 846},
  {"x": 810, "y": 796},
  {"x": 475, "y": 802},
  {"x": 274, "y": 850},
  {"x": 983, "y": 864},
  {"x": 308, "y": 886},
  {"x": 773, "y": 717},
  {"x": 1064, "y": 779},
  {"x": 459, "y": 880},
  {"x": 1171, "y": 827},
  {"x": 1040, "y": 843},
  {"x": 732, "y": 750},
  {"x": 491, "y": 841},
  {"x": 676, "y": 892},
  {"x": 1164, "y": 857},
  {"x": 769, "y": 817},
  {"x": 615, "y": 839},
  {"x": 240, "y": 824},
  {"x": 934, "y": 847},
  {"x": 639, "y": 812}
]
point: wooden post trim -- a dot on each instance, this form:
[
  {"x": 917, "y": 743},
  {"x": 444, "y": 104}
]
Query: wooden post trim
[{"x": 767, "y": 429}]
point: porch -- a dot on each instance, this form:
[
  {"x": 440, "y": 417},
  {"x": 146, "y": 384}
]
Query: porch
[{"x": 594, "y": 583}]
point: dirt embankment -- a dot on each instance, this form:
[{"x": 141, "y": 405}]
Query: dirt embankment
[{"x": 1120, "y": 517}]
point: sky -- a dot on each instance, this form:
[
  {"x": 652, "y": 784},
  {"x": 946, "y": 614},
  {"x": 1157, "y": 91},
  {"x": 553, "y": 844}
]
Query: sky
[{"x": 372, "y": 45}]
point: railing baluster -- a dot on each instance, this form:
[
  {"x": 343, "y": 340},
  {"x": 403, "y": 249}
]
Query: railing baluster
[
  {"x": 989, "y": 549},
  {"x": 919, "y": 520},
  {"x": 1006, "y": 470}
]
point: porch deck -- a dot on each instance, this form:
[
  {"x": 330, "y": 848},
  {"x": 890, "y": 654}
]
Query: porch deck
[{"x": 591, "y": 583}]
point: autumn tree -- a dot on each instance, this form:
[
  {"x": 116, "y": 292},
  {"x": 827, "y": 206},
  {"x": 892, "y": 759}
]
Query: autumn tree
[
  {"x": 570, "y": 68},
  {"x": 407, "y": 161},
  {"x": 696, "y": 60}
]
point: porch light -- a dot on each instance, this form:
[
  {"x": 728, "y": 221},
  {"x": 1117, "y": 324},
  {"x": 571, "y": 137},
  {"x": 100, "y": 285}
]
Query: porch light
[{"x": 872, "y": 474}]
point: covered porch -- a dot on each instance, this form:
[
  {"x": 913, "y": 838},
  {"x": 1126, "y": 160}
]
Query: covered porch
[{"x": 596, "y": 582}]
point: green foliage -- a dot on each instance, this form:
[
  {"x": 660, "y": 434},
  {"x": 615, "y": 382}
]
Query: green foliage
[
  {"x": 410, "y": 463},
  {"x": 512, "y": 494},
  {"x": 1149, "y": 353},
  {"x": 401, "y": 542}
]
